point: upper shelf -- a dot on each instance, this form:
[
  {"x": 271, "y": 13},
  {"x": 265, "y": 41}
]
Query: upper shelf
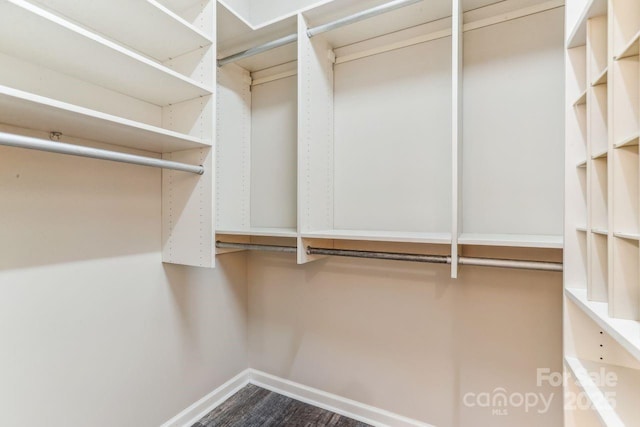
[
  {"x": 235, "y": 35},
  {"x": 147, "y": 26},
  {"x": 512, "y": 240},
  {"x": 27, "y": 110},
  {"x": 578, "y": 35},
  {"x": 52, "y": 42}
]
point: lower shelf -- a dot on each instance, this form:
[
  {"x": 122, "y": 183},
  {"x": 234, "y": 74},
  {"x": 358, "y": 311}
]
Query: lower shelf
[
  {"x": 261, "y": 232},
  {"x": 625, "y": 332},
  {"x": 512, "y": 240},
  {"x": 597, "y": 399},
  {"x": 381, "y": 236}
]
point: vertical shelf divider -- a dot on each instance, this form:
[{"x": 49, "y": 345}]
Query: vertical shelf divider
[
  {"x": 456, "y": 132},
  {"x": 315, "y": 138}
]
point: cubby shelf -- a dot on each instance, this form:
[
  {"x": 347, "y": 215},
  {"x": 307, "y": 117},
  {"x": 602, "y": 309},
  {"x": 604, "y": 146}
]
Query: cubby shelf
[
  {"x": 262, "y": 232},
  {"x": 582, "y": 99},
  {"x": 381, "y": 236},
  {"x": 582, "y": 228},
  {"x": 147, "y": 26},
  {"x": 627, "y": 142},
  {"x": 55, "y": 43},
  {"x": 631, "y": 49},
  {"x": 600, "y": 155},
  {"x": 628, "y": 236},
  {"x": 602, "y": 78},
  {"x": 582, "y": 164},
  {"x": 23, "y": 109},
  {"x": 625, "y": 332},
  {"x": 600, "y": 231},
  {"x": 513, "y": 240},
  {"x": 598, "y": 402}
]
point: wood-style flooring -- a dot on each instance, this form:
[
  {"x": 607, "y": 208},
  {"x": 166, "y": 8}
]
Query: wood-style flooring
[{"x": 253, "y": 406}]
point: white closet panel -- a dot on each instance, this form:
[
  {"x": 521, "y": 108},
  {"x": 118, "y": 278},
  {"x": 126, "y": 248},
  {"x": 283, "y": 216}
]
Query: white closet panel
[{"x": 513, "y": 127}]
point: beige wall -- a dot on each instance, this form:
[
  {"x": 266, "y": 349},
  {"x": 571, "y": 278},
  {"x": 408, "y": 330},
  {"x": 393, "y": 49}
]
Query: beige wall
[
  {"x": 94, "y": 329},
  {"x": 407, "y": 338}
]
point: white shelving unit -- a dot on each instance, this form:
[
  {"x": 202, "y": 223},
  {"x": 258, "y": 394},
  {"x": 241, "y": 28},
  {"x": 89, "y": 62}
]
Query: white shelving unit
[
  {"x": 257, "y": 132},
  {"x": 362, "y": 134},
  {"x": 375, "y": 121},
  {"x": 496, "y": 136},
  {"x": 136, "y": 76},
  {"x": 602, "y": 291}
]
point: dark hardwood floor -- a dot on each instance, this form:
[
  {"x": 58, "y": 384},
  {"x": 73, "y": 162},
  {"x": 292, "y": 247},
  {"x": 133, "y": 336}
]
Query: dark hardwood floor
[{"x": 254, "y": 406}]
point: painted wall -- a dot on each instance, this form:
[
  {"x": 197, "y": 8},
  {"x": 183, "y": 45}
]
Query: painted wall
[
  {"x": 95, "y": 330},
  {"x": 407, "y": 338}
]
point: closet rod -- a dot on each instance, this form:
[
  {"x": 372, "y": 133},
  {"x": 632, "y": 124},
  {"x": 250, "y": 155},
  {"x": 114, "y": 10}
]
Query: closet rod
[
  {"x": 433, "y": 259},
  {"x": 365, "y": 14},
  {"x": 440, "y": 259},
  {"x": 258, "y": 49},
  {"x": 256, "y": 247},
  {"x": 20, "y": 141}
]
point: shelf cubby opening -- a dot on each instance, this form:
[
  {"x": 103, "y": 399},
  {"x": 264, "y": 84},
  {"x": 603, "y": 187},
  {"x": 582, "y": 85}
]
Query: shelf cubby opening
[
  {"x": 598, "y": 133},
  {"x": 626, "y": 192},
  {"x": 597, "y": 46},
  {"x": 256, "y": 146},
  {"x": 626, "y": 21},
  {"x": 624, "y": 297},
  {"x": 598, "y": 198},
  {"x": 598, "y": 267}
]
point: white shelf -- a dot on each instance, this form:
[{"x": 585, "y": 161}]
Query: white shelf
[
  {"x": 600, "y": 231},
  {"x": 512, "y": 240},
  {"x": 381, "y": 236},
  {"x": 147, "y": 26},
  {"x": 631, "y": 49},
  {"x": 262, "y": 232},
  {"x": 625, "y": 332},
  {"x": 22, "y": 109},
  {"x": 582, "y": 99},
  {"x": 52, "y": 42},
  {"x": 235, "y": 35},
  {"x": 599, "y": 403},
  {"x": 582, "y": 228},
  {"x": 628, "y": 142},
  {"x": 582, "y": 164},
  {"x": 600, "y": 155},
  {"x": 602, "y": 79},
  {"x": 628, "y": 236}
]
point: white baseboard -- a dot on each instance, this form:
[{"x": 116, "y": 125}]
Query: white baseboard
[
  {"x": 202, "y": 407},
  {"x": 331, "y": 402}
]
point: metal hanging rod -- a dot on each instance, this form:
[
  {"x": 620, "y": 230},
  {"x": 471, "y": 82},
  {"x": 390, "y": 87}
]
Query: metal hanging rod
[
  {"x": 258, "y": 49},
  {"x": 365, "y": 14},
  {"x": 432, "y": 259},
  {"x": 19, "y": 141},
  {"x": 440, "y": 259},
  {"x": 360, "y": 16},
  {"x": 256, "y": 247}
]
